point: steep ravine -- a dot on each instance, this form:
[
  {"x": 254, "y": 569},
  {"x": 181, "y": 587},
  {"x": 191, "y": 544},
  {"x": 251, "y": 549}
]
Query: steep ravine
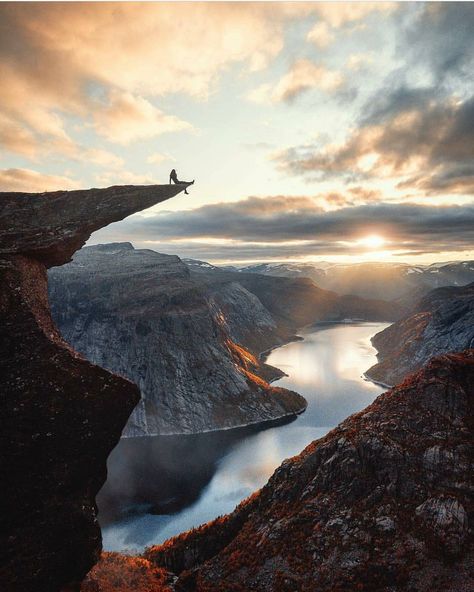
[
  {"x": 383, "y": 503},
  {"x": 60, "y": 415},
  {"x": 190, "y": 340}
]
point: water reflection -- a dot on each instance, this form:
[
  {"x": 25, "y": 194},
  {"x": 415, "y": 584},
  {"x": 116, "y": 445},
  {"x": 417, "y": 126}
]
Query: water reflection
[{"x": 201, "y": 477}]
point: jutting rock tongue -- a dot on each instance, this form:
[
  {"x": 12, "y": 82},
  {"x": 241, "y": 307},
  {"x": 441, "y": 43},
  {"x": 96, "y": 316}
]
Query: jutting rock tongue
[
  {"x": 50, "y": 227},
  {"x": 60, "y": 415}
]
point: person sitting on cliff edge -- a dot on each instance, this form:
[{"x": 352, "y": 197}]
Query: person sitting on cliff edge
[{"x": 176, "y": 181}]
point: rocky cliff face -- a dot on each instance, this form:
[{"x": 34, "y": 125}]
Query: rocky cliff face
[
  {"x": 60, "y": 415},
  {"x": 442, "y": 322},
  {"x": 382, "y": 503},
  {"x": 141, "y": 314},
  {"x": 190, "y": 338}
]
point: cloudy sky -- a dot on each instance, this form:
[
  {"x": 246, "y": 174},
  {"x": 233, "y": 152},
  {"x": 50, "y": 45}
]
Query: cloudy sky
[{"x": 315, "y": 131}]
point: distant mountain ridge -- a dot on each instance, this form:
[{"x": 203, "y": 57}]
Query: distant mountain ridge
[{"x": 387, "y": 281}]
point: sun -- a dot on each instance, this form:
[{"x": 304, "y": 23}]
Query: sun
[{"x": 373, "y": 241}]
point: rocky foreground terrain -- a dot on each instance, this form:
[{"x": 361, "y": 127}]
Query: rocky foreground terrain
[
  {"x": 384, "y": 502},
  {"x": 60, "y": 415},
  {"x": 190, "y": 339},
  {"x": 443, "y": 321}
]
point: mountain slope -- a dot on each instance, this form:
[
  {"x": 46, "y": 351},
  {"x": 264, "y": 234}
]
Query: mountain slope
[
  {"x": 296, "y": 302},
  {"x": 141, "y": 314},
  {"x": 190, "y": 339},
  {"x": 383, "y": 502},
  {"x": 442, "y": 322}
]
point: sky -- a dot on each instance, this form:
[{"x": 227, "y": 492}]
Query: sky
[{"x": 314, "y": 131}]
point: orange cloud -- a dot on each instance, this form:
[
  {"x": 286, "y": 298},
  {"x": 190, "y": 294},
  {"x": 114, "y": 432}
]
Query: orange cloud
[
  {"x": 129, "y": 52},
  {"x": 334, "y": 15},
  {"x": 301, "y": 77},
  {"x": 411, "y": 141},
  {"x": 31, "y": 181},
  {"x": 321, "y": 35},
  {"x": 337, "y": 14},
  {"x": 127, "y": 118}
]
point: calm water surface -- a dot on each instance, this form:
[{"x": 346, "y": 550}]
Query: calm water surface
[{"x": 219, "y": 470}]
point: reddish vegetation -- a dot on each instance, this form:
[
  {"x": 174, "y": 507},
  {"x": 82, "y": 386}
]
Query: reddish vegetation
[
  {"x": 252, "y": 368},
  {"x": 128, "y": 574},
  {"x": 383, "y": 502}
]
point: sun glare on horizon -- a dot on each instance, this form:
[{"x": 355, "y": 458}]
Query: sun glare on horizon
[{"x": 373, "y": 241}]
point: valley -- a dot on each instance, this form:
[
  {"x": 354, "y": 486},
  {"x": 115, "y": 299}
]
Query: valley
[
  {"x": 191, "y": 340},
  {"x": 173, "y": 483}
]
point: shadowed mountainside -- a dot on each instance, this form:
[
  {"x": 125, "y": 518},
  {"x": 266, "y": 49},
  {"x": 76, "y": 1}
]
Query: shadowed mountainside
[
  {"x": 140, "y": 313},
  {"x": 442, "y": 322},
  {"x": 383, "y": 502},
  {"x": 60, "y": 415},
  {"x": 190, "y": 340}
]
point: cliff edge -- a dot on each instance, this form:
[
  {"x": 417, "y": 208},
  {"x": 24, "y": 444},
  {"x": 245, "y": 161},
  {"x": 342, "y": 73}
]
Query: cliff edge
[
  {"x": 441, "y": 322},
  {"x": 60, "y": 415}
]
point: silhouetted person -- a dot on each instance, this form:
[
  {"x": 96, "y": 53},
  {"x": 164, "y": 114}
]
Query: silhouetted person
[{"x": 176, "y": 181}]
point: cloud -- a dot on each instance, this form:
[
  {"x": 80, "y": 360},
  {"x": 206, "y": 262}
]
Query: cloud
[
  {"x": 337, "y": 14},
  {"x": 357, "y": 61},
  {"x": 158, "y": 158},
  {"x": 127, "y": 118},
  {"x": 442, "y": 39},
  {"x": 321, "y": 35},
  {"x": 15, "y": 138},
  {"x": 18, "y": 138},
  {"x": 424, "y": 143},
  {"x": 299, "y": 226},
  {"x": 98, "y": 156},
  {"x": 417, "y": 129},
  {"x": 356, "y": 195},
  {"x": 132, "y": 53},
  {"x": 303, "y": 75},
  {"x": 31, "y": 181}
]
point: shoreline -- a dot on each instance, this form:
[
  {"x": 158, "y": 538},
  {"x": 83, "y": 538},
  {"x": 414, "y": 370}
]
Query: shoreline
[
  {"x": 183, "y": 444},
  {"x": 243, "y": 426},
  {"x": 375, "y": 381},
  {"x": 263, "y": 424},
  {"x": 262, "y": 356}
]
